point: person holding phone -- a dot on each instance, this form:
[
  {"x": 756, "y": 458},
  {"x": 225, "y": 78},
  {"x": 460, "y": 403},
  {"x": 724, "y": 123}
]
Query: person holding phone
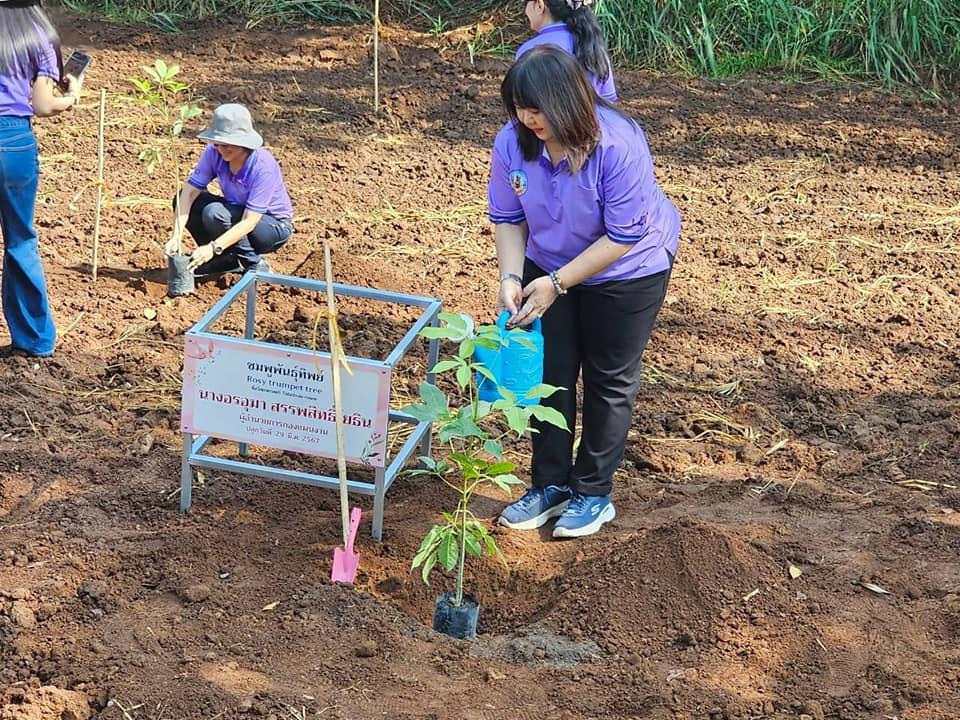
[
  {"x": 253, "y": 217},
  {"x": 30, "y": 76},
  {"x": 585, "y": 241}
]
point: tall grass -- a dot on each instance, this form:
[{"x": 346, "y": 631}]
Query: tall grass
[
  {"x": 898, "y": 41},
  {"x": 166, "y": 14}
]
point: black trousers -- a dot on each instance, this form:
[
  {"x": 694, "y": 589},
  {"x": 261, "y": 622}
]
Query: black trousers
[
  {"x": 600, "y": 331},
  {"x": 211, "y": 216}
]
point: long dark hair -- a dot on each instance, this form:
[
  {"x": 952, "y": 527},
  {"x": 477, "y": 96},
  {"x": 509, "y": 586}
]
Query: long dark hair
[
  {"x": 25, "y": 30},
  {"x": 549, "y": 80},
  {"x": 589, "y": 45}
]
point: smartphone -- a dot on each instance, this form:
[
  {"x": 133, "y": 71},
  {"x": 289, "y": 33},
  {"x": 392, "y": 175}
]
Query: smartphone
[{"x": 76, "y": 64}]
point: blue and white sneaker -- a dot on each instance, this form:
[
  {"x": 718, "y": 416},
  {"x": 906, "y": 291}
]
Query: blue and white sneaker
[
  {"x": 584, "y": 516},
  {"x": 535, "y": 508}
]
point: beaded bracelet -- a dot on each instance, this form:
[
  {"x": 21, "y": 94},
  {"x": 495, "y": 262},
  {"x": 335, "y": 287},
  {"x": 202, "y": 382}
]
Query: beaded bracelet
[{"x": 555, "y": 279}]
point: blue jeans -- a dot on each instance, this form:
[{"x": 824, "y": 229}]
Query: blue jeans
[
  {"x": 24, "y": 290},
  {"x": 211, "y": 216}
]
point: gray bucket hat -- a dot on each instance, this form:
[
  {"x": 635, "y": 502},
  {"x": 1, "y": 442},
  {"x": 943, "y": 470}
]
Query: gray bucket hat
[{"x": 232, "y": 125}]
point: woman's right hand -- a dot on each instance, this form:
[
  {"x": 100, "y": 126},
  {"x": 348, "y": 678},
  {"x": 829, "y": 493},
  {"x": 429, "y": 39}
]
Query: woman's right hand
[
  {"x": 173, "y": 246},
  {"x": 510, "y": 297}
]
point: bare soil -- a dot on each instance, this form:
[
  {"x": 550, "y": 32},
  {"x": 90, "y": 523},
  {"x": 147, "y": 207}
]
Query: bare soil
[{"x": 800, "y": 418}]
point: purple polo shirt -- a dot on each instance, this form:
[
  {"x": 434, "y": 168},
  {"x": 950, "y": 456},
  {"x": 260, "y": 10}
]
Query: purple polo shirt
[
  {"x": 16, "y": 91},
  {"x": 258, "y": 186},
  {"x": 615, "y": 194},
  {"x": 559, "y": 34}
]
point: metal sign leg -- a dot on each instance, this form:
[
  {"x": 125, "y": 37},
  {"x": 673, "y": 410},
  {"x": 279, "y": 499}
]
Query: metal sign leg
[
  {"x": 186, "y": 474},
  {"x": 379, "y": 500}
]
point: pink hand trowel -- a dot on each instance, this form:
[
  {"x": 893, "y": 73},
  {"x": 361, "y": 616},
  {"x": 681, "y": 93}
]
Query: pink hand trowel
[{"x": 345, "y": 561}]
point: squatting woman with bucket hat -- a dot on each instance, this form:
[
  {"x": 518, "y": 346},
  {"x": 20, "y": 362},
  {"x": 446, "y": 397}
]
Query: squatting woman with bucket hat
[
  {"x": 254, "y": 215},
  {"x": 585, "y": 242},
  {"x": 31, "y": 70}
]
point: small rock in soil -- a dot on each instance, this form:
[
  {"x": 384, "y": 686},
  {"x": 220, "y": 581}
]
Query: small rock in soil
[
  {"x": 96, "y": 590},
  {"x": 366, "y": 649},
  {"x": 814, "y": 709},
  {"x": 17, "y": 594},
  {"x": 492, "y": 675},
  {"x": 196, "y": 593},
  {"x": 22, "y": 616}
]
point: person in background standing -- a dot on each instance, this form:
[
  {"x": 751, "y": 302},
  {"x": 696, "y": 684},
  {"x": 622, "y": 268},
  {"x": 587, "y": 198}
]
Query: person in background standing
[
  {"x": 31, "y": 72},
  {"x": 572, "y": 26}
]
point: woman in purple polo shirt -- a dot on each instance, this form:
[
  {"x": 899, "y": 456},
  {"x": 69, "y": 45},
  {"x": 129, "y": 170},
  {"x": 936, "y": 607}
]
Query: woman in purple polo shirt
[
  {"x": 585, "y": 240},
  {"x": 30, "y": 70},
  {"x": 572, "y": 26},
  {"x": 254, "y": 215}
]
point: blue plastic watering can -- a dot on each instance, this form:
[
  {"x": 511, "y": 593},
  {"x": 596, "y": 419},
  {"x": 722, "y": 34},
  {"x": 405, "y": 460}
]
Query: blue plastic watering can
[{"x": 515, "y": 366}]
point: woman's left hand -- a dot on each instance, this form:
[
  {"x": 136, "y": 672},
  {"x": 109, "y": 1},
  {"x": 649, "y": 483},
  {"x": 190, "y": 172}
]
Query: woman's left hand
[
  {"x": 204, "y": 253},
  {"x": 538, "y": 295}
]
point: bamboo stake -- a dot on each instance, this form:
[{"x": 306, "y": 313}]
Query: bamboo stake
[
  {"x": 96, "y": 221},
  {"x": 335, "y": 353},
  {"x": 376, "y": 56}
]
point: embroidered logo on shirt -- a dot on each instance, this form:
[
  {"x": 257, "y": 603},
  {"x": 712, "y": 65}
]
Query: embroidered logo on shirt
[{"x": 518, "y": 181}]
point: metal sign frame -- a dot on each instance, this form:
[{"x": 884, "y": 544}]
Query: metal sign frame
[{"x": 193, "y": 446}]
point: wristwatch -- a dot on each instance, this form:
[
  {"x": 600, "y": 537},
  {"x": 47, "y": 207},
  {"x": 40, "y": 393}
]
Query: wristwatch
[{"x": 217, "y": 250}]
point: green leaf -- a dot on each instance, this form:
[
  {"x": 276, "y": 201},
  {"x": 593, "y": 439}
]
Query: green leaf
[
  {"x": 494, "y": 448},
  {"x": 505, "y": 481},
  {"x": 433, "y": 397},
  {"x": 464, "y": 376},
  {"x": 441, "y": 333},
  {"x": 483, "y": 370},
  {"x": 428, "y": 565},
  {"x": 465, "y": 351},
  {"x": 444, "y": 365},
  {"x": 462, "y": 426},
  {"x": 449, "y": 552},
  {"x": 549, "y": 415},
  {"x": 472, "y": 544},
  {"x": 487, "y": 343},
  {"x": 517, "y": 418},
  {"x": 421, "y": 412},
  {"x": 542, "y": 391},
  {"x": 428, "y": 545},
  {"x": 522, "y": 341},
  {"x": 499, "y": 468}
]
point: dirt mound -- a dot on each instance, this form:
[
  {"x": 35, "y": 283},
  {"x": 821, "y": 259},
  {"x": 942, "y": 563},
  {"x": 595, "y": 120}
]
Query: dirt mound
[
  {"x": 44, "y": 703},
  {"x": 674, "y": 586}
]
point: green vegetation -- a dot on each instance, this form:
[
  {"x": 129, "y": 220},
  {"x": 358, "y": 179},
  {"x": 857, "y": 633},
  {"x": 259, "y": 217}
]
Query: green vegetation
[
  {"x": 915, "y": 42},
  {"x": 897, "y": 41},
  {"x": 472, "y": 431},
  {"x": 166, "y": 14}
]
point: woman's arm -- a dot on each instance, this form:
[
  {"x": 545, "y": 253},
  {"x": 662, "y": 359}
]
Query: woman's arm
[
  {"x": 185, "y": 199},
  {"x": 511, "y": 248},
  {"x": 596, "y": 258},
  {"x": 540, "y": 293},
  {"x": 46, "y": 103},
  {"x": 204, "y": 253}
]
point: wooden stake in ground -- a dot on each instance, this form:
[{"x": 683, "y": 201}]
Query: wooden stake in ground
[
  {"x": 96, "y": 220},
  {"x": 376, "y": 56},
  {"x": 336, "y": 353}
]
